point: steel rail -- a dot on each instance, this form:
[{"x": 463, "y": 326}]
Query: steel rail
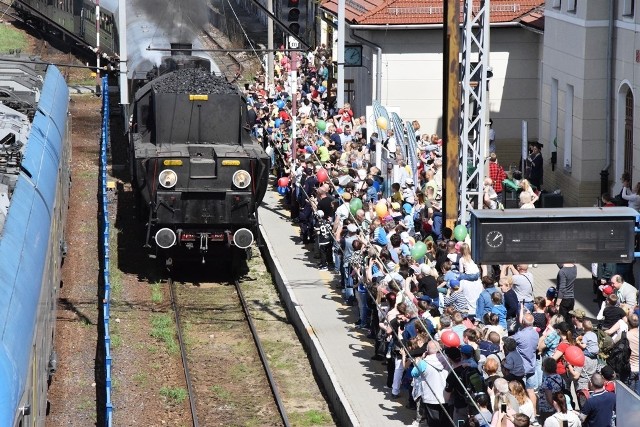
[
  {"x": 183, "y": 354},
  {"x": 263, "y": 356},
  {"x": 222, "y": 50}
]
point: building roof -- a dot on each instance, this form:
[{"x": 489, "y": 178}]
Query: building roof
[{"x": 416, "y": 12}]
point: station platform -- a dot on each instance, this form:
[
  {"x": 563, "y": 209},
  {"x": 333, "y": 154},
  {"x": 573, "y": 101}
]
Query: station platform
[{"x": 355, "y": 385}]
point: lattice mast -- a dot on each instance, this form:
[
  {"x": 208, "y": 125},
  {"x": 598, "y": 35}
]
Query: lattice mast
[{"x": 474, "y": 109}]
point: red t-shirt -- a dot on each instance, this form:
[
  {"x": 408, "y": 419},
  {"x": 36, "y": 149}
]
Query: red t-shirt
[
  {"x": 560, "y": 368},
  {"x": 346, "y": 114}
]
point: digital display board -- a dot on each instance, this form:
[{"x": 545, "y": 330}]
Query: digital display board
[{"x": 544, "y": 236}]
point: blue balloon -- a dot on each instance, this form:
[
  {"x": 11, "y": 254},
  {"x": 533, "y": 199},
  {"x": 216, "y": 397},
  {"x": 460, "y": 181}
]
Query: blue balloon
[
  {"x": 277, "y": 122},
  {"x": 282, "y": 190},
  {"x": 309, "y": 149},
  {"x": 321, "y": 89},
  {"x": 320, "y": 142},
  {"x": 280, "y": 103}
]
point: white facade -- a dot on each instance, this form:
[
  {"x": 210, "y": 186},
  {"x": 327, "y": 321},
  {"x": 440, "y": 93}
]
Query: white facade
[
  {"x": 575, "y": 57},
  {"x": 412, "y": 80}
]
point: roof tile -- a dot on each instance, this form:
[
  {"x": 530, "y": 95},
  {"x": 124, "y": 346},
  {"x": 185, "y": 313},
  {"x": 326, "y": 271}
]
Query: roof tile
[{"x": 407, "y": 12}]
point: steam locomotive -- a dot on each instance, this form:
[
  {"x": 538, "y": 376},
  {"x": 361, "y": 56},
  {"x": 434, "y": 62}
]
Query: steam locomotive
[
  {"x": 34, "y": 192},
  {"x": 197, "y": 172}
]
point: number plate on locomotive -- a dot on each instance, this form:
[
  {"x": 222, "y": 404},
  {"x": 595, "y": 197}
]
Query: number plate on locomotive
[{"x": 217, "y": 236}]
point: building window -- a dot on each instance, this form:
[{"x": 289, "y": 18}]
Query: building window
[
  {"x": 628, "y": 7},
  {"x": 571, "y": 6},
  {"x": 628, "y": 132},
  {"x": 568, "y": 127},
  {"x": 557, "y": 4}
]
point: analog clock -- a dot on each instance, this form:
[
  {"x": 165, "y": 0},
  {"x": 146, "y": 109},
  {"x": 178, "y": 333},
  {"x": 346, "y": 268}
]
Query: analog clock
[
  {"x": 353, "y": 55},
  {"x": 494, "y": 239}
]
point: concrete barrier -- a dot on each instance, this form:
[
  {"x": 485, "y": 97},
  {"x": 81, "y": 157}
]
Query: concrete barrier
[{"x": 337, "y": 399}]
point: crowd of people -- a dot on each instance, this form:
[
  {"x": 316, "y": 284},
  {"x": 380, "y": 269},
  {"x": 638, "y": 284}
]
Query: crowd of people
[{"x": 464, "y": 344}]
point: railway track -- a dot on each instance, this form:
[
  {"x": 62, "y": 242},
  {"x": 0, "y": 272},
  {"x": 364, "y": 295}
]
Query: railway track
[
  {"x": 229, "y": 65},
  {"x": 225, "y": 366}
]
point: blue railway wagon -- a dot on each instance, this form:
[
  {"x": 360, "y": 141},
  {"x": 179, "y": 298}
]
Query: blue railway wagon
[{"x": 31, "y": 254}]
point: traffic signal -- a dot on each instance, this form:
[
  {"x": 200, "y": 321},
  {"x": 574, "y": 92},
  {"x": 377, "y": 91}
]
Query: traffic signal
[{"x": 293, "y": 14}]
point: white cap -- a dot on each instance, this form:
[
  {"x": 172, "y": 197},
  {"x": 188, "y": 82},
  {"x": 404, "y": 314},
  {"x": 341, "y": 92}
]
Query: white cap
[
  {"x": 352, "y": 228},
  {"x": 404, "y": 236},
  {"x": 408, "y": 181},
  {"x": 320, "y": 213}
]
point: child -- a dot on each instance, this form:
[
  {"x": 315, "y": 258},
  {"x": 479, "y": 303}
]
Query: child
[
  {"x": 589, "y": 341},
  {"x": 323, "y": 232},
  {"x": 499, "y": 309},
  {"x": 456, "y": 298}
]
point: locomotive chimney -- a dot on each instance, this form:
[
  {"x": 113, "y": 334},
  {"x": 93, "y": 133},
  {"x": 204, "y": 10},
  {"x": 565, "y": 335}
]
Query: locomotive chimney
[{"x": 181, "y": 49}]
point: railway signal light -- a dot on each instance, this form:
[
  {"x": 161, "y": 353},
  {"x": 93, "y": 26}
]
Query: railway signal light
[{"x": 293, "y": 13}]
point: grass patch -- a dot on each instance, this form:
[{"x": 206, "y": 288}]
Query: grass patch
[
  {"x": 174, "y": 395},
  {"x": 221, "y": 393},
  {"x": 279, "y": 355},
  {"x": 11, "y": 39},
  {"x": 83, "y": 81},
  {"x": 86, "y": 404},
  {"x": 116, "y": 340},
  {"x": 312, "y": 417},
  {"x": 239, "y": 371},
  {"x": 114, "y": 272},
  {"x": 141, "y": 379},
  {"x": 116, "y": 283},
  {"x": 162, "y": 329},
  {"x": 157, "y": 296}
]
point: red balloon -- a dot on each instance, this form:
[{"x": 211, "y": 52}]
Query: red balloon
[
  {"x": 574, "y": 355},
  {"x": 450, "y": 339},
  {"x": 283, "y": 181},
  {"x": 322, "y": 175}
]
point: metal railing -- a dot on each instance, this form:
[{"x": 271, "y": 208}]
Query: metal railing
[{"x": 104, "y": 226}]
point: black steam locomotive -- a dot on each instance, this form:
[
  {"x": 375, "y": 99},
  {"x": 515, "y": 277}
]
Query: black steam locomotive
[{"x": 197, "y": 172}]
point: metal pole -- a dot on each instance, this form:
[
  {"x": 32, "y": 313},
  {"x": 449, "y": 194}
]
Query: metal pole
[
  {"x": 294, "y": 104},
  {"x": 122, "y": 31},
  {"x": 341, "y": 36},
  {"x": 451, "y": 113},
  {"x": 98, "y": 85},
  {"x": 270, "y": 66},
  {"x": 293, "y": 79}
]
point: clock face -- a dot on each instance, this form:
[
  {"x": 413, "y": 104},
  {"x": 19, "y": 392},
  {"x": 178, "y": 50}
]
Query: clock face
[
  {"x": 494, "y": 239},
  {"x": 353, "y": 56}
]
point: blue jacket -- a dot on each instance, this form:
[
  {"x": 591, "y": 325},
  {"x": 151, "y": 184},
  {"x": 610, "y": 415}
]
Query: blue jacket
[
  {"x": 501, "y": 311},
  {"x": 484, "y": 304}
]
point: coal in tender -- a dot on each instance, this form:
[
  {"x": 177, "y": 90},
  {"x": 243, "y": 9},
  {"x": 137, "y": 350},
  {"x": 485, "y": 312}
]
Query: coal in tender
[{"x": 194, "y": 80}]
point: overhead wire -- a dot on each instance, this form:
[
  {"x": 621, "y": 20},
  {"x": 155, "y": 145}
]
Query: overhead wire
[{"x": 246, "y": 36}]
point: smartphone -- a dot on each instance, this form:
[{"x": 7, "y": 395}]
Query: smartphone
[{"x": 503, "y": 408}]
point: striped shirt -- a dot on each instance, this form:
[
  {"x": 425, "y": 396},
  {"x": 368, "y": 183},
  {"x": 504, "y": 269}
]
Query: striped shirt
[{"x": 458, "y": 301}]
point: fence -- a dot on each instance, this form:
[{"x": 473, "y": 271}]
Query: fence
[
  {"x": 405, "y": 141},
  {"x": 104, "y": 227}
]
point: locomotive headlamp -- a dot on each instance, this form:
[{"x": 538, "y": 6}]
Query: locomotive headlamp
[
  {"x": 168, "y": 178},
  {"x": 241, "y": 179}
]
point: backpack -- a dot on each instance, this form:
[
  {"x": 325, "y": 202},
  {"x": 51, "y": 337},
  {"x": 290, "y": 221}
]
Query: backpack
[
  {"x": 605, "y": 344},
  {"x": 473, "y": 381},
  {"x": 619, "y": 358}
]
